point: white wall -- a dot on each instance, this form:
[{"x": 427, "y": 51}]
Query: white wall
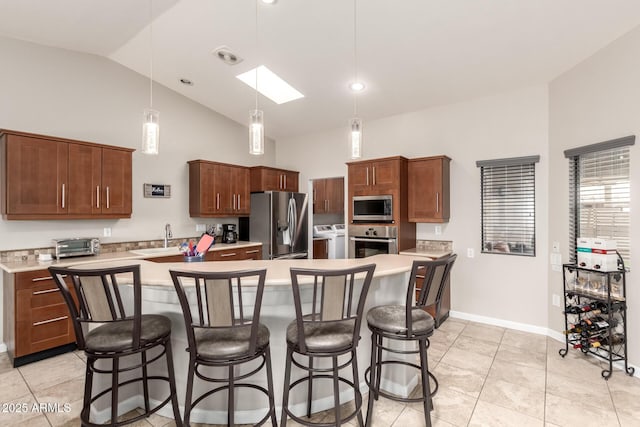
[
  {"x": 86, "y": 97},
  {"x": 596, "y": 101},
  {"x": 513, "y": 124}
]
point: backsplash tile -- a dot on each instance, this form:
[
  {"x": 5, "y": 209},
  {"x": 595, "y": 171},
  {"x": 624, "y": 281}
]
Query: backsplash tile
[{"x": 434, "y": 245}]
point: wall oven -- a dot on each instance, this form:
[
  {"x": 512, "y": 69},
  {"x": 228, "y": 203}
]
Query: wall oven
[
  {"x": 373, "y": 208},
  {"x": 365, "y": 241}
]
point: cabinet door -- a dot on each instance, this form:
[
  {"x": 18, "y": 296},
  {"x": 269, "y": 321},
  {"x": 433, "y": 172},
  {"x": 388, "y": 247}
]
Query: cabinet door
[
  {"x": 428, "y": 181},
  {"x": 335, "y": 195},
  {"x": 360, "y": 178},
  {"x": 36, "y": 176},
  {"x": 385, "y": 174},
  {"x": 265, "y": 179},
  {"x": 319, "y": 196},
  {"x": 289, "y": 181},
  {"x": 241, "y": 197},
  {"x": 223, "y": 175},
  {"x": 116, "y": 182},
  {"x": 85, "y": 180},
  {"x": 320, "y": 249}
]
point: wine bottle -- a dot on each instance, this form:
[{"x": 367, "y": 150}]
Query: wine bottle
[{"x": 605, "y": 340}]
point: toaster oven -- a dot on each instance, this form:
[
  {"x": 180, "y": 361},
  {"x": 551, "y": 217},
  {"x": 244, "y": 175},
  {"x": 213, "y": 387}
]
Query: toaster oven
[{"x": 78, "y": 246}]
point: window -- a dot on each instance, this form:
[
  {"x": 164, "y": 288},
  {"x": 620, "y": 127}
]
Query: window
[
  {"x": 600, "y": 193},
  {"x": 509, "y": 205}
]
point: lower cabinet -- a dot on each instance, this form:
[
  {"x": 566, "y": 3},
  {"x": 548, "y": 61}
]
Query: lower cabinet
[
  {"x": 232, "y": 254},
  {"x": 320, "y": 249},
  {"x": 37, "y": 323}
]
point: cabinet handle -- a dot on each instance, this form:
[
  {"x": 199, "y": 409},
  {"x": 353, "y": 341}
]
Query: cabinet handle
[
  {"x": 217, "y": 201},
  {"x": 239, "y": 202},
  {"x": 437, "y": 202},
  {"x": 285, "y": 182},
  {"x": 326, "y": 205},
  {"x": 226, "y": 255},
  {"x": 42, "y": 279},
  {"x": 374, "y": 175},
  {"x": 62, "y": 202},
  {"x": 367, "y": 175},
  {"x": 314, "y": 194},
  {"x": 234, "y": 202},
  {"x": 108, "y": 198},
  {"x": 43, "y": 322},
  {"x": 254, "y": 251},
  {"x": 97, "y": 196},
  {"x": 280, "y": 183},
  {"x": 46, "y": 291}
]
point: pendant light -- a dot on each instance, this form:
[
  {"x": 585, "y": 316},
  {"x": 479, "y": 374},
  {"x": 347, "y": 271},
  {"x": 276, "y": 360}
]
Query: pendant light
[
  {"x": 256, "y": 117},
  {"x": 151, "y": 117},
  {"x": 355, "y": 135}
]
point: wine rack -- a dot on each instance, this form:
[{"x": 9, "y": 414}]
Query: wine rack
[{"x": 595, "y": 314}]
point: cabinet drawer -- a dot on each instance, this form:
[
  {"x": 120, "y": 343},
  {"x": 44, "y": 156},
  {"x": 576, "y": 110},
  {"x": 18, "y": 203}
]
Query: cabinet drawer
[
  {"x": 36, "y": 279},
  {"x": 253, "y": 253},
  {"x": 228, "y": 255},
  {"x": 50, "y": 322}
]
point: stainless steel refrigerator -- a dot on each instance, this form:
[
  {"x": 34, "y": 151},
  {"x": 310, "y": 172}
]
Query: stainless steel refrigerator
[{"x": 279, "y": 220}]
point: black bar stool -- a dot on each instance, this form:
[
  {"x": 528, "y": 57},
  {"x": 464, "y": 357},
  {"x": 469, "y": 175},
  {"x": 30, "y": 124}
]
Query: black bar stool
[
  {"x": 409, "y": 322},
  {"x": 119, "y": 335},
  {"x": 328, "y": 326},
  {"x": 223, "y": 330}
]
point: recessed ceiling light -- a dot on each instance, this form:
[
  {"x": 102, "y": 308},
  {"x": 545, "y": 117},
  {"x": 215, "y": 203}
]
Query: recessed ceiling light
[
  {"x": 226, "y": 55},
  {"x": 270, "y": 85},
  {"x": 357, "y": 86},
  {"x": 186, "y": 82}
]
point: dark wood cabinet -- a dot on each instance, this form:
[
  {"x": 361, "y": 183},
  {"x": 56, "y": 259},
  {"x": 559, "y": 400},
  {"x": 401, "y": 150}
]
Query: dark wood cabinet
[
  {"x": 264, "y": 178},
  {"x": 218, "y": 189},
  {"x": 428, "y": 183},
  {"x": 374, "y": 177},
  {"x": 320, "y": 249},
  {"x": 36, "y": 318},
  {"x": 328, "y": 196},
  {"x": 56, "y": 178}
]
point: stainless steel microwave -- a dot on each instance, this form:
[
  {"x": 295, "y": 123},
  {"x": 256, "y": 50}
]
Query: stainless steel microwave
[
  {"x": 78, "y": 246},
  {"x": 377, "y": 208}
]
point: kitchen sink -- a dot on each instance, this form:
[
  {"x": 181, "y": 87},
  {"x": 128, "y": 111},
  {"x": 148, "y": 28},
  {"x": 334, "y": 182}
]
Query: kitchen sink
[{"x": 157, "y": 251}]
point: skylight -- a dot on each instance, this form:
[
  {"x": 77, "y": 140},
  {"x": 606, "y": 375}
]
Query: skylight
[{"x": 270, "y": 85}]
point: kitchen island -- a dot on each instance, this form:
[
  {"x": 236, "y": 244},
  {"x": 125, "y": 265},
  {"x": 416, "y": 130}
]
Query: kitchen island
[{"x": 388, "y": 286}]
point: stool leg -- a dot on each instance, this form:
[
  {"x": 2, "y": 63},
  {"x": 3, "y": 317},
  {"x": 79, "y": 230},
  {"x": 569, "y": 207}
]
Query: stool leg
[
  {"x": 231, "y": 397},
  {"x": 356, "y": 386},
  {"x": 145, "y": 383},
  {"x": 85, "y": 414},
  {"x": 336, "y": 390},
  {"x": 189, "y": 396},
  {"x": 310, "y": 387},
  {"x": 378, "y": 363},
  {"x": 114, "y": 390},
  {"x": 272, "y": 404},
  {"x": 426, "y": 393},
  {"x": 172, "y": 383},
  {"x": 287, "y": 381},
  {"x": 372, "y": 378}
]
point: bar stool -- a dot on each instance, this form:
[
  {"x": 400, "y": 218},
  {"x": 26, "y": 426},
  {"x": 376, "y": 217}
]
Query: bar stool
[
  {"x": 119, "y": 335},
  {"x": 409, "y": 322},
  {"x": 224, "y": 331},
  {"x": 327, "y": 325}
]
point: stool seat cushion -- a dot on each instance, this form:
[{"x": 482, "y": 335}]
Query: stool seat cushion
[
  {"x": 229, "y": 343},
  {"x": 325, "y": 336},
  {"x": 117, "y": 336},
  {"x": 393, "y": 319}
]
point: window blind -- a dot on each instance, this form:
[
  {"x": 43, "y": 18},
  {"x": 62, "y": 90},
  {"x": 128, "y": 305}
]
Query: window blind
[
  {"x": 600, "y": 198},
  {"x": 508, "y": 206}
]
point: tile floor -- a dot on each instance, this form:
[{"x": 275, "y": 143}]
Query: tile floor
[{"x": 489, "y": 376}]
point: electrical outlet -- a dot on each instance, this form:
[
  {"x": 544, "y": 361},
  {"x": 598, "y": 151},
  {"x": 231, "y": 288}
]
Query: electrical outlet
[
  {"x": 106, "y": 232},
  {"x": 438, "y": 230},
  {"x": 201, "y": 227},
  {"x": 470, "y": 253},
  {"x": 555, "y": 300}
]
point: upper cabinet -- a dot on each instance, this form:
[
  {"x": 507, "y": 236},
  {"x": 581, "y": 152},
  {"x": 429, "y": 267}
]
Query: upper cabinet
[
  {"x": 372, "y": 177},
  {"x": 328, "y": 196},
  {"x": 218, "y": 189},
  {"x": 429, "y": 189},
  {"x": 55, "y": 178},
  {"x": 264, "y": 178}
]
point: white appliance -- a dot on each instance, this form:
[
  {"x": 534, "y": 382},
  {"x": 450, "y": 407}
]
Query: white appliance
[{"x": 335, "y": 238}]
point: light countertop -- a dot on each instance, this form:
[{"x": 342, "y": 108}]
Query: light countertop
[
  {"x": 429, "y": 253},
  {"x": 17, "y": 267}
]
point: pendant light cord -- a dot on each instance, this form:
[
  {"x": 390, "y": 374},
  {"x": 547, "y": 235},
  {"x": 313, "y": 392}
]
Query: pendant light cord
[
  {"x": 355, "y": 57},
  {"x": 257, "y": 50},
  {"x": 151, "y": 54}
]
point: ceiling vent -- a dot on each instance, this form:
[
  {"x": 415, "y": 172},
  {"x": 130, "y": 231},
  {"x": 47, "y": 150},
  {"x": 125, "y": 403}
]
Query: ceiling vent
[{"x": 227, "y": 56}]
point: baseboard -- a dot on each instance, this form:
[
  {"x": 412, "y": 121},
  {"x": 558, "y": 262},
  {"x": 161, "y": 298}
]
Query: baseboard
[{"x": 529, "y": 328}]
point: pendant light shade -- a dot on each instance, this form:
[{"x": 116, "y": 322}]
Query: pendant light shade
[
  {"x": 256, "y": 132},
  {"x": 356, "y": 138},
  {"x": 151, "y": 132}
]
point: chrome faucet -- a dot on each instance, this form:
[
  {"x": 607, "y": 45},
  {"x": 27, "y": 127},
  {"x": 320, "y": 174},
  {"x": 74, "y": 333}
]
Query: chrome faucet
[{"x": 167, "y": 235}]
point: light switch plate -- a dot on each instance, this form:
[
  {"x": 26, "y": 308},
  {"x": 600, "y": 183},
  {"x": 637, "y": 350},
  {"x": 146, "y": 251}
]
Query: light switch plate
[
  {"x": 201, "y": 227},
  {"x": 438, "y": 230},
  {"x": 556, "y": 300},
  {"x": 106, "y": 232},
  {"x": 470, "y": 253}
]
